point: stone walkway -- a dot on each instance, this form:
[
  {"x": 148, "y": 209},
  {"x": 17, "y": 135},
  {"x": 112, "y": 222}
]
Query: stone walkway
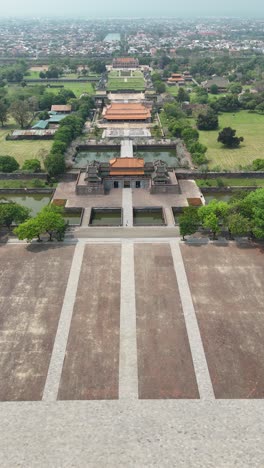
[
  {"x": 127, "y": 206},
  {"x": 126, "y": 149},
  {"x": 129, "y": 432},
  {"x": 199, "y": 360},
  {"x": 59, "y": 348},
  {"x": 128, "y": 374}
]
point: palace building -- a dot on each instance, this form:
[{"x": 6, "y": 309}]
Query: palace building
[
  {"x": 120, "y": 112},
  {"x": 125, "y": 62}
]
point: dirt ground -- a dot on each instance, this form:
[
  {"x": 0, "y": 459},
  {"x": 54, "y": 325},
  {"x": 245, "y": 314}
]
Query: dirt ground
[
  {"x": 32, "y": 285},
  {"x": 165, "y": 368},
  {"x": 91, "y": 366},
  {"x": 227, "y": 285}
]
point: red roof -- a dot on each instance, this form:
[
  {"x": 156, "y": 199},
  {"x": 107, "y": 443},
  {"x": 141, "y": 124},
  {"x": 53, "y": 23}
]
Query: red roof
[
  {"x": 123, "y": 111},
  {"x": 127, "y": 166}
]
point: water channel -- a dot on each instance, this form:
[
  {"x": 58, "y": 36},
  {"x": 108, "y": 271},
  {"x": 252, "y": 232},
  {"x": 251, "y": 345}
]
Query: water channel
[
  {"x": 85, "y": 157},
  {"x": 34, "y": 202},
  {"x": 148, "y": 217}
]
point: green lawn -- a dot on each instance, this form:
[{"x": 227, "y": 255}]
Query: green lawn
[
  {"x": 173, "y": 90},
  {"x": 77, "y": 88},
  {"x": 248, "y": 125},
  {"x": 22, "y": 150},
  {"x": 117, "y": 83}
]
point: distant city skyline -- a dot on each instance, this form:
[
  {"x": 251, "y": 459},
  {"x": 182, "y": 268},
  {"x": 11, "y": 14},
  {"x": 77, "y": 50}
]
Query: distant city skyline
[{"x": 137, "y": 8}]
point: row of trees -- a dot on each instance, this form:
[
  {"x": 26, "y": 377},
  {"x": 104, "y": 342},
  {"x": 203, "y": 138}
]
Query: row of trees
[
  {"x": 242, "y": 216},
  {"x": 70, "y": 128},
  {"x": 48, "y": 221}
]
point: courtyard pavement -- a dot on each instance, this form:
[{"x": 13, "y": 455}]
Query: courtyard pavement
[{"x": 121, "y": 352}]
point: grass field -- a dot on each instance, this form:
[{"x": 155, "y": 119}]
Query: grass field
[
  {"x": 117, "y": 83},
  {"x": 248, "y": 125},
  {"x": 22, "y": 150},
  {"x": 77, "y": 88}
]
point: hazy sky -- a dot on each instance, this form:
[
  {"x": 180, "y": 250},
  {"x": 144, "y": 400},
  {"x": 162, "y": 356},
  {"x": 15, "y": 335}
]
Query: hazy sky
[{"x": 135, "y": 8}]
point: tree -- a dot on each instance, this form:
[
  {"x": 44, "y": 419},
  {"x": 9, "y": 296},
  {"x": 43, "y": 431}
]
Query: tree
[
  {"x": 258, "y": 164},
  {"x": 190, "y": 134},
  {"x": 255, "y": 205},
  {"x": 238, "y": 225},
  {"x": 13, "y": 213},
  {"x": 228, "y": 103},
  {"x": 228, "y": 138},
  {"x": 189, "y": 221},
  {"x": 55, "y": 164},
  {"x": 20, "y": 111},
  {"x": 160, "y": 87},
  {"x": 58, "y": 147},
  {"x": 214, "y": 89},
  {"x": 8, "y": 164},
  {"x": 235, "y": 88},
  {"x": 50, "y": 220},
  {"x": 3, "y": 111},
  {"x": 208, "y": 121},
  {"x": 211, "y": 222},
  {"x": 28, "y": 230},
  {"x": 31, "y": 165},
  {"x": 182, "y": 95}
]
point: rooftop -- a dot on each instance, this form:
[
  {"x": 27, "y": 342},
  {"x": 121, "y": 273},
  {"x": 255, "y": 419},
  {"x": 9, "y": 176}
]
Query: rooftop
[{"x": 127, "y": 111}]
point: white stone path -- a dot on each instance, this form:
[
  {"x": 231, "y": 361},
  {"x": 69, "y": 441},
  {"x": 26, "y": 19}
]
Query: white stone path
[
  {"x": 127, "y": 205},
  {"x": 127, "y": 149},
  {"x": 55, "y": 368},
  {"x": 199, "y": 360},
  {"x": 128, "y": 372}
]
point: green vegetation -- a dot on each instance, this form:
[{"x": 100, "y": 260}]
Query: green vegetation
[
  {"x": 32, "y": 165},
  {"x": 22, "y": 150},
  {"x": 12, "y": 213},
  {"x": 8, "y": 164},
  {"x": 48, "y": 221},
  {"x": 242, "y": 216},
  {"x": 118, "y": 83},
  {"x": 247, "y": 124},
  {"x": 228, "y": 138}
]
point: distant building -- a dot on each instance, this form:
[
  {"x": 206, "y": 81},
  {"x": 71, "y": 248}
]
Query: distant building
[
  {"x": 125, "y": 62},
  {"x": 220, "y": 82},
  {"x": 61, "y": 108},
  {"x": 119, "y": 112},
  {"x": 176, "y": 78}
]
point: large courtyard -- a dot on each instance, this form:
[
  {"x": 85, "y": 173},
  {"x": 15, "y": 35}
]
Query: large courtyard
[
  {"x": 225, "y": 284},
  {"x": 127, "y": 351}
]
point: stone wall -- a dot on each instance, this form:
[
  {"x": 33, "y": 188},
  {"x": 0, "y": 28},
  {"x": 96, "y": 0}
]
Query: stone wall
[
  {"x": 165, "y": 189},
  {"x": 216, "y": 175},
  {"x": 23, "y": 175},
  {"x": 25, "y": 191}
]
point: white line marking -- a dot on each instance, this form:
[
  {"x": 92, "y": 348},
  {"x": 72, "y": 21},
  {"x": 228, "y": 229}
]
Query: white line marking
[
  {"x": 56, "y": 363},
  {"x": 128, "y": 373},
  {"x": 199, "y": 359}
]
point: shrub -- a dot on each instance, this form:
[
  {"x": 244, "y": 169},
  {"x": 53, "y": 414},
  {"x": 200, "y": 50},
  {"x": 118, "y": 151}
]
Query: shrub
[
  {"x": 31, "y": 165},
  {"x": 8, "y": 164}
]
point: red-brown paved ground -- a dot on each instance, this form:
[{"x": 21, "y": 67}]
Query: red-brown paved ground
[
  {"x": 227, "y": 284},
  {"x": 91, "y": 366},
  {"x": 32, "y": 286},
  {"x": 165, "y": 365}
]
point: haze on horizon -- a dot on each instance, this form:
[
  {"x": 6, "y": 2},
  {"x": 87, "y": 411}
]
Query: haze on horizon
[{"x": 136, "y": 8}]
